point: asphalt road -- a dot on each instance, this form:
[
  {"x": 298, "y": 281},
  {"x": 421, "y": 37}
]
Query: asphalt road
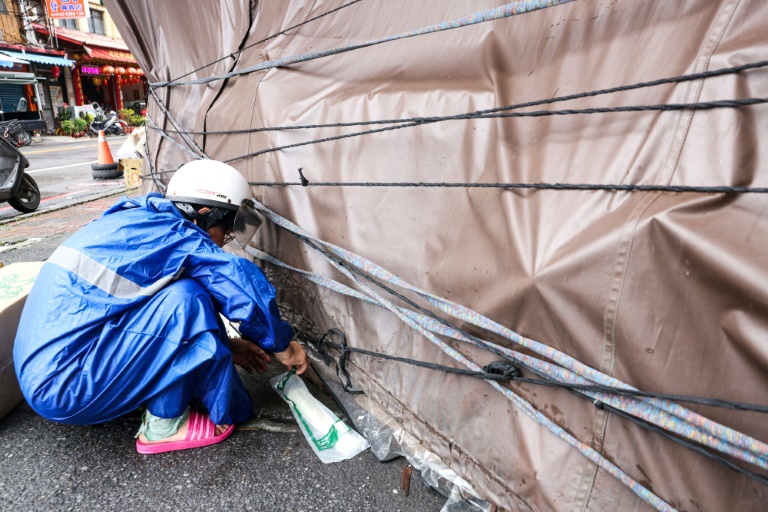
[
  {"x": 266, "y": 465},
  {"x": 61, "y": 166}
]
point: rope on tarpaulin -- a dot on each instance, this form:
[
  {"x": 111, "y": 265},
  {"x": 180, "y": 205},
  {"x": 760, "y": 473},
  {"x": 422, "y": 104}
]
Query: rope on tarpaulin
[
  {"x": 730, "y": 103},
  {"x": 190, "y": 142},
  {"x": 523, "y": 405},
  {"x": 556, "y": 375},
  {"x": 478, "y": 113},
  {"x": 536, "y": 186},
  {"x": 506, "y": 371},
  {"x": 659, "y": 412},
  {"x": 282, "y": 32},
  {"x": 504, "y": 11},
  {"x": 499, "y": 112},
  {"x": 490, "y": 113}
]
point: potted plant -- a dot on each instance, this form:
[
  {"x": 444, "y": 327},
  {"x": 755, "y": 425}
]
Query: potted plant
[
  {"x": 63, "y": 115},
  {"x": 134, "y": 121},
  {"x": 80, "y": 127},
  {"x": 67, "y": 127},
  {"x": 125, "y": 114}
]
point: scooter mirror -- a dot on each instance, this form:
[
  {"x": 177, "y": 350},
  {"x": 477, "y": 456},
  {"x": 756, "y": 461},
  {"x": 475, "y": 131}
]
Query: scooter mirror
[{"x": 247, "y": 222}]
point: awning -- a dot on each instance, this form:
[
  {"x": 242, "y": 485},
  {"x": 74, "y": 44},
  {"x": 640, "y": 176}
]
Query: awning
[
  {"x": 11, "y": 77},
  {"x": 41, "y": 59},
  {"x": 8, "y": 61},
  {"x": 108, "y": 54}
]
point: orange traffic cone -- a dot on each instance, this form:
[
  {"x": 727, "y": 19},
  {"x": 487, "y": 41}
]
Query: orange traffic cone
[
  {"x": 106, "y": 167},
  {"x": 105, "y": 155}
]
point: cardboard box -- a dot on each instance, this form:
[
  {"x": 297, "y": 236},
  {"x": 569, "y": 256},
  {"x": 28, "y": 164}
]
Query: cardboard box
[
  {"x": 131, "y": 168},
  {"x": 15, "y": 283}
]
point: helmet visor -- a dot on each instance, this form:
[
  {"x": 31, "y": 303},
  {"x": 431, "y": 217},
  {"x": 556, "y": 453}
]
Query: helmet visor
[{"x": 247, "y": 222}]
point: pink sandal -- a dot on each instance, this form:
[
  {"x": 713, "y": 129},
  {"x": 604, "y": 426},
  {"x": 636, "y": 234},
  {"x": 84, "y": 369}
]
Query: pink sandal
[{"x": 201, "y": 432}]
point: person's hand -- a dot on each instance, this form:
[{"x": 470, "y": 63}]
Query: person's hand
[
  {"x": 249, "y": 356},
  {"x": 294, "y": 357}
]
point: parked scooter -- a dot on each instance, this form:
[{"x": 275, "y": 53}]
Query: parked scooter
[
  {"x": 110, "y": 123},
  {"x": 13, "y": 131},
  {"x": 16, "y": 186}
]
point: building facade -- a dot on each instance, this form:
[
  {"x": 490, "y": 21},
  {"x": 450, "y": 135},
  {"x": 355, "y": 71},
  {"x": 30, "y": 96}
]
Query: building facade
[{"x": 49, "y": 64}]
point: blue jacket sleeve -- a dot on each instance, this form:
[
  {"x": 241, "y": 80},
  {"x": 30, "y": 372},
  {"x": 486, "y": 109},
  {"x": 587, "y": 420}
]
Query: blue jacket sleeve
[{"x": 243, "y": 294}]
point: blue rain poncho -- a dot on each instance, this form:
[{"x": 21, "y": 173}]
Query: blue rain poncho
[{"x": 125, "y": 313}]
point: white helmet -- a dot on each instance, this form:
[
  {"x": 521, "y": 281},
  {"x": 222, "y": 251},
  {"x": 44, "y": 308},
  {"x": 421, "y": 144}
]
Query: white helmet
[{"x": 210, "y": 183}]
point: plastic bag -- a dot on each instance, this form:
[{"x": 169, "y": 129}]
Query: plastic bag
[
  {"x": 329, "y": 437},
  {"x": 133, "y": 147}
]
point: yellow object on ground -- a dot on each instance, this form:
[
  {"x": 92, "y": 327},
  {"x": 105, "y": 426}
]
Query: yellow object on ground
[{"x": 131, "y": 168}]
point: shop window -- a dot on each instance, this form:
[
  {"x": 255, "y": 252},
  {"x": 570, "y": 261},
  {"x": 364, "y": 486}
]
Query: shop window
[
  {"x": 68, "y": 23},
  {"x": 96, "y": 22}
]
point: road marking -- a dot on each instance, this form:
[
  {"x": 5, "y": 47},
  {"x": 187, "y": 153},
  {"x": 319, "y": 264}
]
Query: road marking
[
  {"x": 61, "y": 167},
  {"x": 52, "y": 150}
]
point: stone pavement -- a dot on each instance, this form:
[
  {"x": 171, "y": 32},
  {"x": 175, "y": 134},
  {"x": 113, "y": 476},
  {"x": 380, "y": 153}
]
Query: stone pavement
[
  {"x": 265, "y": 465},
  {"x": 63, "y": 220}
]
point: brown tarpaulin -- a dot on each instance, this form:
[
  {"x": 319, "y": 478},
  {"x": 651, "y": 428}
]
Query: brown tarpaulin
[{"x": 665, "y": 291}]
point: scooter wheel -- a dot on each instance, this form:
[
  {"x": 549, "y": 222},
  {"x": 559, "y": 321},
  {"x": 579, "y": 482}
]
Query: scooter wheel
[{"x": 28, "y": 198}]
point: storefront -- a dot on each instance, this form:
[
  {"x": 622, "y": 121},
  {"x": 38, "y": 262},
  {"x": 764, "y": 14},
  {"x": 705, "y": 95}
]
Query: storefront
[
  {"x": 55, "y": 96},
  {"x": 105, "y": 72},
  {"x": 112, "y": 87},
  {"x": 30, "y": 87},
  {"x": 51, "y": 90}
]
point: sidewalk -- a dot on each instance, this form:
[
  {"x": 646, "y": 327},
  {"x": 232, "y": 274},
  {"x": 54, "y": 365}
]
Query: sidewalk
[
  {"x": 59, "y": 221},
  {"x": 265, "y": 465}
]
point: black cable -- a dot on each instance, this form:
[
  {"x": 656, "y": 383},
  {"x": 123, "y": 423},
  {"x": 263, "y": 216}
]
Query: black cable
[
  {"x": 282, "y": 32},
  {"x": 319, "y": 342},
  {"x": 539, "y": 113},
  {"x": 538, "y": 186},
  {"x": 599, "y": 92},
  {"x": 493, "y": 113},
  {"x": 497, "y": 372},
  {"x": 516, "y": 376}
]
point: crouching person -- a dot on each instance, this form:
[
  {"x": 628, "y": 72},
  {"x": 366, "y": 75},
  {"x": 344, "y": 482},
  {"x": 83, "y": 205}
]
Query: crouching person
[{"x": 125, "y": 314}]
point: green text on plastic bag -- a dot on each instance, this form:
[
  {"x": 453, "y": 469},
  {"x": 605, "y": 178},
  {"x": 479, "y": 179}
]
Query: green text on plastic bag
[{"x": 330, "y": 438}]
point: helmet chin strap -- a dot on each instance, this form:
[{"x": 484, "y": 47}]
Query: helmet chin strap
[
  {"x": 191, "y": 213},
  {"x": 204, "y": 221}
]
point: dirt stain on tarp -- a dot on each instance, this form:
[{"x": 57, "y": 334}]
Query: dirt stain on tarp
[{"x": 645, "y": 481}]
